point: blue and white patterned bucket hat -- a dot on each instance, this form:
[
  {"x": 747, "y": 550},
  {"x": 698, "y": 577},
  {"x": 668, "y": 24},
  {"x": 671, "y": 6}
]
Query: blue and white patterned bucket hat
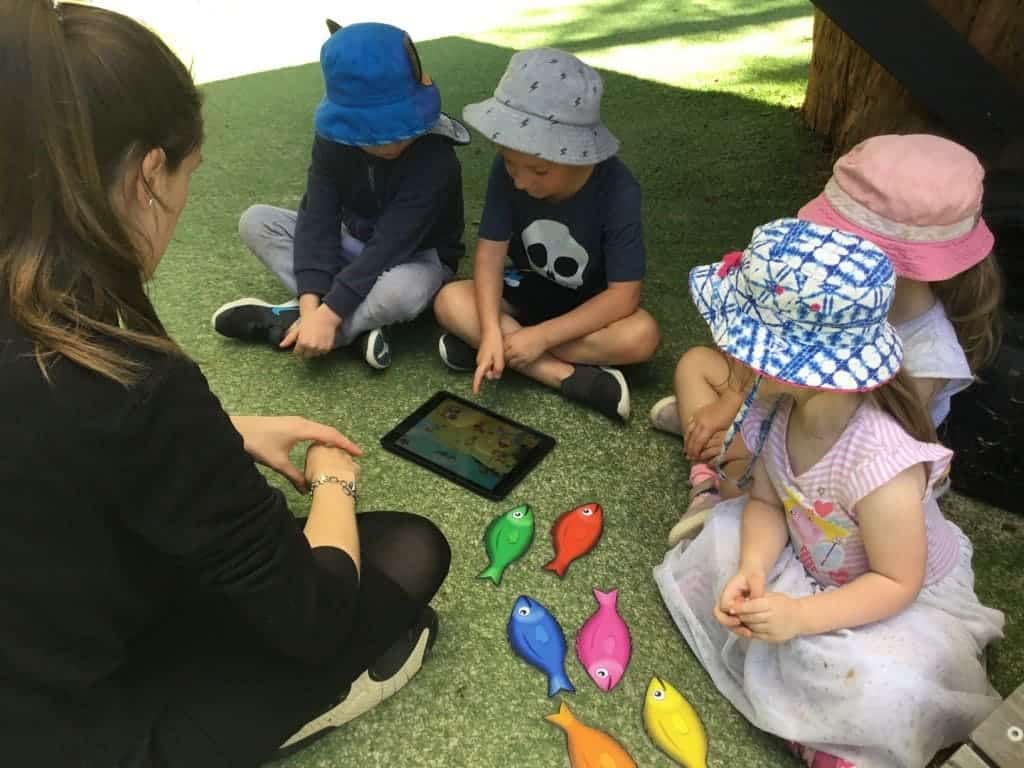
[{"x": 806, "y": 305}]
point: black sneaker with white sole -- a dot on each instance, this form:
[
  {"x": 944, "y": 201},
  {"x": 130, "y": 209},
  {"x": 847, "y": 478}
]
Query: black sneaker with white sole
[
  {"x": 456, "y": 353},
  {"x": 385, "y": 677},
  {"x": 255, "y": 320},
  {"x": 375, "y": 349},
  {"x": 603, "y": 389}
]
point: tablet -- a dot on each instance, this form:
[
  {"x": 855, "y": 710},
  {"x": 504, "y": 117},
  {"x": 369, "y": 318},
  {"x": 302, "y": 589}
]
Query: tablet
[{"x": 478, "y": 449}]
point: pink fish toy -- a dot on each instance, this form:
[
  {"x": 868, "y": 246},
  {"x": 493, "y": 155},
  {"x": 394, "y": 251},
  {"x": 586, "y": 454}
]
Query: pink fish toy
[{"x": 603, "y": 644}]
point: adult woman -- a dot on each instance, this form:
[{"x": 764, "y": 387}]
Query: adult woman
[{"x": 158, "y": 604}]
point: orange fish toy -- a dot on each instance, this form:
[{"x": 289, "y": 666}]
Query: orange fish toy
[
  {"x": 589, "y": 747},
  {"x": 574, "y": 534}
]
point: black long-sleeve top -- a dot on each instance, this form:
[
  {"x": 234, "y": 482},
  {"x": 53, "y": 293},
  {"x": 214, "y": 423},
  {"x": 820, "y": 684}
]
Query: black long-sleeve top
[
  {"x": 115, "y": 506},
  {"x": 398, "y": 207}
]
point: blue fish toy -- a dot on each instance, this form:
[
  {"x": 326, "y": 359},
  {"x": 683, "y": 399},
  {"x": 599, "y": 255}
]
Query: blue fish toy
[{"x": 537, "y": 638}]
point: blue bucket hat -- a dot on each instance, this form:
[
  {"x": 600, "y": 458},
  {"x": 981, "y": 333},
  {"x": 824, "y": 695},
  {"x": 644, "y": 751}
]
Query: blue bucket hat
[
  {"x": 804, "y": 304},
  {"x": 375, "y": 90}
]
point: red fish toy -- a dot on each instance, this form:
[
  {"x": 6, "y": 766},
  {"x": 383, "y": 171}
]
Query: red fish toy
[{"x": 574, "y": 534}]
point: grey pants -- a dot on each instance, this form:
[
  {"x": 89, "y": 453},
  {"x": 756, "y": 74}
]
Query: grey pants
[{"x": 399, "y": 295}]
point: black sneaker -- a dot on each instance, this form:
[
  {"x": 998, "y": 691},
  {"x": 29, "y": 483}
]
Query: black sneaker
[
  {"x": 375, "y": 349},
  {"x": 255, "y": 320},
  {"x": 385, "y": 677},
  {"x": 603, "y": 389},
  {"x": 456, "y": 353}
]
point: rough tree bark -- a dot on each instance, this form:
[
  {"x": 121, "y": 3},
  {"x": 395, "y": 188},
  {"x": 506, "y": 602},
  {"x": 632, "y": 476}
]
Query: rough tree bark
[{"x": 850, "y": 97}]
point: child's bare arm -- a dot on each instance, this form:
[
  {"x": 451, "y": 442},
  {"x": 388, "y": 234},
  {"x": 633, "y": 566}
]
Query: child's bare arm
[
  {"x": 893, "y": 529},
  {"x": 764, "y": 532},
  {"x": 926, "y": 389},
  {"x": 616, "y": 302},
  {"x": 488, "y": 265}
]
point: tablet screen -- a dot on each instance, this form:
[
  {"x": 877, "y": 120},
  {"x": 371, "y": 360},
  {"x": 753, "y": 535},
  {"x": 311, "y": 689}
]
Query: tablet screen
[{"x": 465, "y": 442}]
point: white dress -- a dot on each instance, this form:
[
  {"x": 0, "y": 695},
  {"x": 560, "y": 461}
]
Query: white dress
[
  {"x": 884, "y": 695},
  {"x": 931, "y": 350}
]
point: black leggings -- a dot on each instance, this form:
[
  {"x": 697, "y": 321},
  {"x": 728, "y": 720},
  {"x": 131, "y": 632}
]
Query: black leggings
[{"x": 226, "y": 701}]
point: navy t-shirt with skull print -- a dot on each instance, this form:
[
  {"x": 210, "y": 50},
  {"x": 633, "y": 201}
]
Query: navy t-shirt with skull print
[{"x": 580, "y": 244}]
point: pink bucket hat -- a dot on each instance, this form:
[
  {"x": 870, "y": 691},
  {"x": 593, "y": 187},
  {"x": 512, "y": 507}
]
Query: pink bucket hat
[{"x": 917, "y": 197}]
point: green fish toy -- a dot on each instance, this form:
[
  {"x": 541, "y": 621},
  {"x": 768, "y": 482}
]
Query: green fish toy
[{"x": 506, "y": 539}]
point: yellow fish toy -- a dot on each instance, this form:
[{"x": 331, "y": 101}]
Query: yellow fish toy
[
  {"x": 673, "y": 725},
  {"x": 588, "y": 747}
]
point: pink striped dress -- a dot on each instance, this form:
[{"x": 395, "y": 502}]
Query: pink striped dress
[{"x": 885, "y": 695}]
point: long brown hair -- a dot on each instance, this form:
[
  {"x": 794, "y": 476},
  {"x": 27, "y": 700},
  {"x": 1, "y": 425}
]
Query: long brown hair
[
  {"x": 899, "y": 399},
  {"x": 973, "y": 301},
  {"x": 89, "y": 93}
]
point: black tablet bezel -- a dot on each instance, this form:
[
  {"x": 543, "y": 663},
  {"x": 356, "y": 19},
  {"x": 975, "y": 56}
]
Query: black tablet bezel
[{"x": 390, "y": 443}]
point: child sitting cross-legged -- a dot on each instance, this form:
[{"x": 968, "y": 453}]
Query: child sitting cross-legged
[
  {"x": 379, "y": 228},
  {"x": 566, "y": 211}
]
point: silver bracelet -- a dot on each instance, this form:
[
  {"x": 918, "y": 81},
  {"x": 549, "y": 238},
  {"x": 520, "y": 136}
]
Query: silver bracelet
[{"x": 348, "y": 486}]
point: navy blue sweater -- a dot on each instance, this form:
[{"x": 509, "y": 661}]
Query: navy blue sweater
[{"x": 398, "y": 207}]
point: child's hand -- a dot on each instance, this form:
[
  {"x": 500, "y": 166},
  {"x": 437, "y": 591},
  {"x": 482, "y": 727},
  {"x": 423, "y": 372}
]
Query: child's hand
[
  {"x": 524, "y": 346},
  {"x": 713, "y": 419},
  {"x": 774, "y": 618},
  {"x": 313, "y": 336},
  {"x": 736, "y": 451},
  {"x": 747, "y": 584},
  {"x": 490, "y": 360}
]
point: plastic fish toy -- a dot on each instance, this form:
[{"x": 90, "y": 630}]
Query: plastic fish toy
[
  {"x": 673, "y": 725},
  {"x": 603, "y": 644},
  {"x": 506, "y": 539},
  {"x": 536, "y": 637},
  {"x": 589, "y": 747},
  {"x": 574, "y": 534}
]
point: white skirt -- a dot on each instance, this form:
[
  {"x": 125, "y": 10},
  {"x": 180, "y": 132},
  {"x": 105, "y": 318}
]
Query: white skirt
[{"x": 885, "y": 695}]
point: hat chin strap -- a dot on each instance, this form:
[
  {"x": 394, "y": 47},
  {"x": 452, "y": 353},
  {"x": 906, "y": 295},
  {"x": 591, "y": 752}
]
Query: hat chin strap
[{"x": 747, "y": 477}]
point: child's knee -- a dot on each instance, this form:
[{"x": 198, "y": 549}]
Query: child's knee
[
  {"x": 700, "y": 362},
  {"x": 450, "y": 300},
  {"x": 646, "y": 336},
  {"x": 252, "y": 223}
]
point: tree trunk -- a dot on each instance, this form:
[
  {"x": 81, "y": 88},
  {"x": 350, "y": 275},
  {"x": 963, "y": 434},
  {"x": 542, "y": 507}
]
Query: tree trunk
[{"x": 850, "y": 97}]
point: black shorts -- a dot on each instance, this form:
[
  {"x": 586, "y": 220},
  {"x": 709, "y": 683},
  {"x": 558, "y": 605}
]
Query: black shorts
[{"x": 535, "y": 299}]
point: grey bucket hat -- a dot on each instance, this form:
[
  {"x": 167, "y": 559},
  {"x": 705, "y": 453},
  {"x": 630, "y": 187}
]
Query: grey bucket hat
[{"x": 547, "y": 104}]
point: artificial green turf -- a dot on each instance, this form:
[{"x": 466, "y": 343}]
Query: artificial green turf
[{"x": 717, "y": 152}]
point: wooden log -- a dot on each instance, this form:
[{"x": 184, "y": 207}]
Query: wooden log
[
  {"x": 1001, "y": 736},
  {"x": 851, "y": 97}
]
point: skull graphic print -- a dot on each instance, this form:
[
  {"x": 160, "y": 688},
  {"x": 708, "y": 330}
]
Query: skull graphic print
[{"x": 554, "y": 253}]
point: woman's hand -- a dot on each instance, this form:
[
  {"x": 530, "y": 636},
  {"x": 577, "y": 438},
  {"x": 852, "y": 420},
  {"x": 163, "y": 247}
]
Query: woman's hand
[
  {"x": 746, "y": 585},
  {"x": 270, "y": 439},
  {"x": 330, "y": 460}
]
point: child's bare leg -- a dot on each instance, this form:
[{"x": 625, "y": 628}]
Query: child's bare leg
[
  {"x": 701, "y": 375},
  {"x": 632, "y": 339},
  {"x": 455, "y": 309}
]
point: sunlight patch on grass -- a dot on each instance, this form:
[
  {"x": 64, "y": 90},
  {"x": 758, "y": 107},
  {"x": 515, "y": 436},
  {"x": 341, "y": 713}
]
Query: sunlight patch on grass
[
  {"x": 714, "y": 44},
  {"x": 726, "y": 61}
]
